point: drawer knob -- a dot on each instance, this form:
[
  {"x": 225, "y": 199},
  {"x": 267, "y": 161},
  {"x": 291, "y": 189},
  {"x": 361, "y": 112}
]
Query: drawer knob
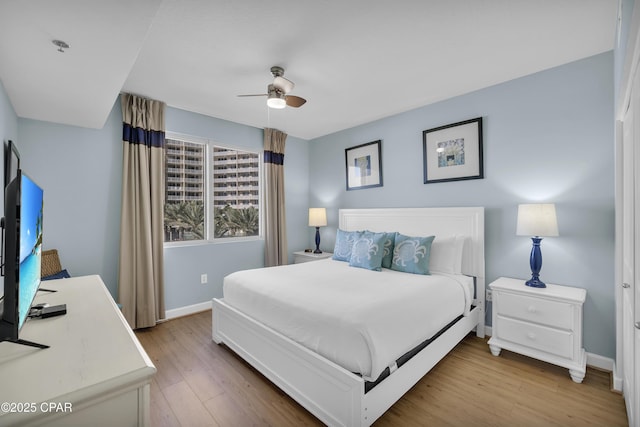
[
  {"x": 532, "y": 309},
  {"x": 626, "y": 285},
  {"x": 531, "y": 336}
]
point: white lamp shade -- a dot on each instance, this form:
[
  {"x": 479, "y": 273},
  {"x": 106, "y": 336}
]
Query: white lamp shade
[
  {"x": 317, "y": 217},
  {"x": 537, "y": 220}
]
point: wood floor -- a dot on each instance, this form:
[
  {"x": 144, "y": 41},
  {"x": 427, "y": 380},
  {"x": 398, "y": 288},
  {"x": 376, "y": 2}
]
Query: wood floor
[{"x": 200, "y": 383}]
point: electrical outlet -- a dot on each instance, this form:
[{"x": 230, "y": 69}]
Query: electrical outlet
[
  {"x": 489, "y": 295},
  {"x": 203, "y": 279}
]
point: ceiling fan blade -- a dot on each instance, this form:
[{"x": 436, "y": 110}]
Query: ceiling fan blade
[
  {"x": 283, "y": 84},
  {"x": 295, "y": 101},
  {"x": 258, "y": 94}
]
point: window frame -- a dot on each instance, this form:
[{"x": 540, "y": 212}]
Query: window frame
[{"x": 209, "y": 189}]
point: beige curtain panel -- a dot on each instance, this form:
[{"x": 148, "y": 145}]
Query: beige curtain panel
[
  {"x": 275, "y": 233},
  {"x": 140, "y": 275}
]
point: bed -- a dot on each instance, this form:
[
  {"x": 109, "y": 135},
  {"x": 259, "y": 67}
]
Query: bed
[{"x": 336, "y": 389}]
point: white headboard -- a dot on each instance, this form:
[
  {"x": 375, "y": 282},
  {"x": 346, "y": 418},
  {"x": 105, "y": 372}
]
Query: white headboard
[{"x": 439, "y": 222}]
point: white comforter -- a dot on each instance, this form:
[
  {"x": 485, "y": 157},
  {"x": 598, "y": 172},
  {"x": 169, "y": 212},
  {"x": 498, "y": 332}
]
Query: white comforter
[{"x": 362, "y": 320}]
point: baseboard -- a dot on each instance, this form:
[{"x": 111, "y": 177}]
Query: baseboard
[
  {"x": 187, "y": 310},
  {"x": 600, "y": 362},
  {"x": 616, "y": 382},
  {"x": 593, "y": 360}
]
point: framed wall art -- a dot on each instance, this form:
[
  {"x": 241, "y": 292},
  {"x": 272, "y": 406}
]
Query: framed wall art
[
  {"x": 453, "y": 152},
  {"x": 364, "y": 166}
]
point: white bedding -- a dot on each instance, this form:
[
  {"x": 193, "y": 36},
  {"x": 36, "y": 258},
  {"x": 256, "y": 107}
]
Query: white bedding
[{"x": 360, "y": 319}]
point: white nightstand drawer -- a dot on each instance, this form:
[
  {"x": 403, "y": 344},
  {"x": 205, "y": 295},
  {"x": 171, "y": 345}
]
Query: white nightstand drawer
[
  {"x": 554, "y": 341},
  {"x": 538, "y": 310}
]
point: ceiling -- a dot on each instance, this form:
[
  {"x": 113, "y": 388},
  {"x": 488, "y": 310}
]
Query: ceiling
[{"x": 354, "y": 61}]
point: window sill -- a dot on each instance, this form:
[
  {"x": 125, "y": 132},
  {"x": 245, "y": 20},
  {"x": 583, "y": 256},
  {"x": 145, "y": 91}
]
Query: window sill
[{"x": 184, "y": 243}]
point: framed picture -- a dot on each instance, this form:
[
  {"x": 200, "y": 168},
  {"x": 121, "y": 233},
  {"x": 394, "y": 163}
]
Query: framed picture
[
  {"x": 364, "y": 166},
  {"x": 453, "y": 152}
]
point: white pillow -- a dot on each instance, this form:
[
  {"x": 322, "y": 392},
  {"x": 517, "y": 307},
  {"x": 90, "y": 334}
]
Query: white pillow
[{"x": 446, "y": 254}]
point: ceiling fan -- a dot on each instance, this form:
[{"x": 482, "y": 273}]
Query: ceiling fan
[{"x": 278, "y": 91}]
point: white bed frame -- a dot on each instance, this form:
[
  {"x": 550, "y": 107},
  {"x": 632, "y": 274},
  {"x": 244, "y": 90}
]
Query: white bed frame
[{"x": 331, "y": 393}]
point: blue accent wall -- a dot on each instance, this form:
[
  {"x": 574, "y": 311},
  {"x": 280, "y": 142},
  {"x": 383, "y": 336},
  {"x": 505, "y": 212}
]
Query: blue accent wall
[
  {"x": 80, "y": 171},
  {"x": 548, "y": 137}
]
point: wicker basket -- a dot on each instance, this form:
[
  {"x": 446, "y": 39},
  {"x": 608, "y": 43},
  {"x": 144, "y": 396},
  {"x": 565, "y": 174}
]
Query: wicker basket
[{"x": 50, "y": 263}]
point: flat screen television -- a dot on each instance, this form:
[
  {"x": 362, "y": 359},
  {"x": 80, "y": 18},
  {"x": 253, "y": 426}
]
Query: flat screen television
[{"x": 22, "y": 255}]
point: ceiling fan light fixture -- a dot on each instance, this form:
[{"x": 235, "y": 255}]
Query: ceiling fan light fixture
[
  {"x": 61, "y": 45},
  {"x": 276, "y": 101},
  {"x": 277, "y": 92}
]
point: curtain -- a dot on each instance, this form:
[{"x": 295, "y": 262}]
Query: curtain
[
  {"x": 140, "y": 275},
  {"x": 275, "y": 234}
]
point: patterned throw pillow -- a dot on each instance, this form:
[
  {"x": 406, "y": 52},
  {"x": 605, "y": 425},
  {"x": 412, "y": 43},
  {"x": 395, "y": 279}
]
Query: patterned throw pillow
[
  {"x": 344, "y": 244},
  {"x": 411, "y": 254},
  {"x": 388, "y": 243},
  {"x": 367, "y": 251}
]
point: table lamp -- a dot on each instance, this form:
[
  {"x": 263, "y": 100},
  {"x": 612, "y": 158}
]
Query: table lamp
[
  {"x": 536, "y": 220},
  {"x": 317, "y": 219}
]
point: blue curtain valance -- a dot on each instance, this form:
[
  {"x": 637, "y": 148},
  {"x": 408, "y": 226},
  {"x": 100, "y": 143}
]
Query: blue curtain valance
[
  {"x": 150, "y": 138},
  {"x": 273, "y": 157}
]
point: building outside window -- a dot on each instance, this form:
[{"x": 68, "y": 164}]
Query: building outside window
[{"x": 230, "y": 190}]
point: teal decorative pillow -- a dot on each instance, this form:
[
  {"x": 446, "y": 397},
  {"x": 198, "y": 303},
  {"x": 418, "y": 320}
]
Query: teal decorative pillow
[
  {"x": 344, "y": 244},
  {"x": 367, "y": 251},
  {"x": 388, "y": 244},
  {"x": 411, "y": 254}
]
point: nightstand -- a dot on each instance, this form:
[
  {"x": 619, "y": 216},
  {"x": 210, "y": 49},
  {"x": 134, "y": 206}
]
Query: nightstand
[
  {"x": 302, "y": 256},
  {"x": 543, "y": 323}
]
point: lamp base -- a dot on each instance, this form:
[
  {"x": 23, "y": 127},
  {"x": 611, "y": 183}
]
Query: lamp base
[
  {"x": 534, "y": 282},
  {"x": 317, "y": 251},
  {"x": 536, "y": 264}
]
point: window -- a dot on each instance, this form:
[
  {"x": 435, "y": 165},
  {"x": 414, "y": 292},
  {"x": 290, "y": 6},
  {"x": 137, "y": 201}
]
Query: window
[
  {"x": 236, "y": 195},
  {"x": 184, "y": 202},
  {"x": 211, "y": 192}
]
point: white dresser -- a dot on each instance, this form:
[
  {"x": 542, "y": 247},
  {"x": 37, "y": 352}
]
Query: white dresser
[
  {"x": 543, "y": 323},
  {"x": 95, "y": 372}
]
